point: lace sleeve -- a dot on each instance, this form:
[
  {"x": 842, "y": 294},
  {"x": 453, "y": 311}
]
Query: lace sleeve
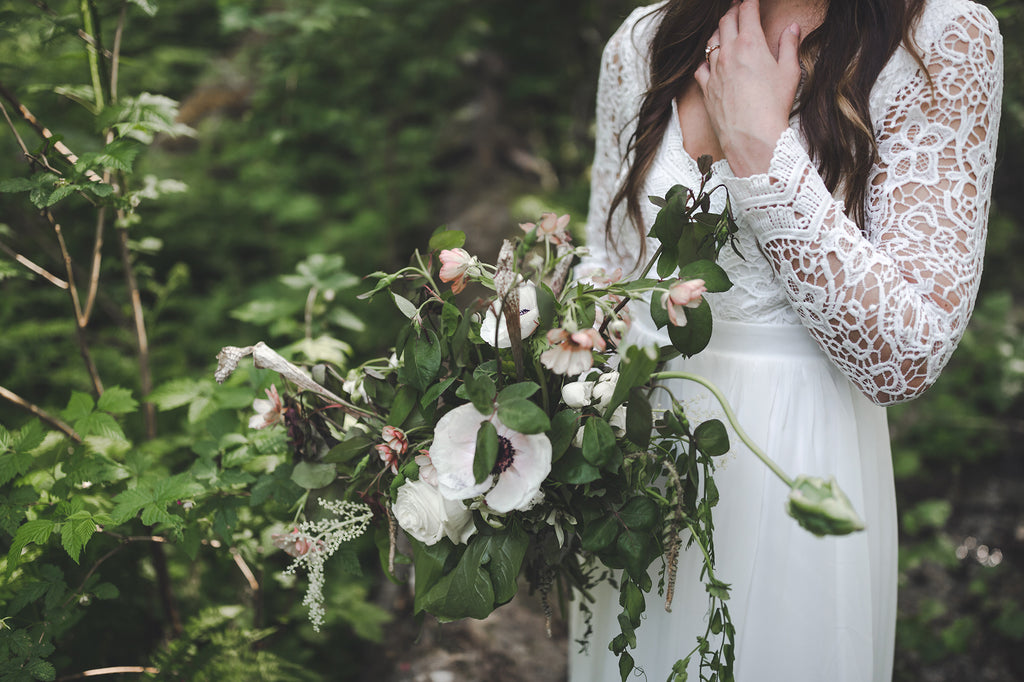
[
  {"x": 618, "y": 88},
  {"x": 890, "y": 303}
]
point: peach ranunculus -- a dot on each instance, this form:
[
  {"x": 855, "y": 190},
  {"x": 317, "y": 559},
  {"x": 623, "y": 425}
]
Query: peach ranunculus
[
  {"x": 571, "y": 352},
  {"x": 551, "y": 228},
  {"x": 388, "y": 456},
  {"x": 456, "y": 266},
  {"x": 395, "y": 439},
  {"x": 682, "y": 295},
  {"x": 268, "y": 412}
]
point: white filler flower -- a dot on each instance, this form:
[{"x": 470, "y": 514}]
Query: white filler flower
[{"x": 523, "y": 463}]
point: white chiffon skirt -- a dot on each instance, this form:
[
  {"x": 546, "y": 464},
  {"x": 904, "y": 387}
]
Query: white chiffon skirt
[{"x": 806, "y": 609}]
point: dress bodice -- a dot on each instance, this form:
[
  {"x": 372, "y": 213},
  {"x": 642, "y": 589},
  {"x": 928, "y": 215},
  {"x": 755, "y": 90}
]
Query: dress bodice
[{"x": 887, "y": 301}]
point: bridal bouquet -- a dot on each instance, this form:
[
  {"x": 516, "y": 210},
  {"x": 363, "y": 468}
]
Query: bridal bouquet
[{"x": 511, "y": 432}]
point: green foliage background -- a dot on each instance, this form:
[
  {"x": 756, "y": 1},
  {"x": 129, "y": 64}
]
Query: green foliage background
[{"x": 353, "y": 129}]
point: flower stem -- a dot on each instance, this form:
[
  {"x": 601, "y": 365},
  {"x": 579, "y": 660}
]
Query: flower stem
[{"x": 731, "y": 416}]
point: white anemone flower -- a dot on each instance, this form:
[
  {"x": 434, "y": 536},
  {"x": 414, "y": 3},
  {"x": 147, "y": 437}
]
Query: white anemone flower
[
  {"x": 524, "y": 461},
  {"x": 529, "y": 317}
]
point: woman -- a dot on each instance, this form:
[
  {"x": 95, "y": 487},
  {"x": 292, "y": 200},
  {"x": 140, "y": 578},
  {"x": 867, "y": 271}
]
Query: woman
[{"x": 856, "y": 140}]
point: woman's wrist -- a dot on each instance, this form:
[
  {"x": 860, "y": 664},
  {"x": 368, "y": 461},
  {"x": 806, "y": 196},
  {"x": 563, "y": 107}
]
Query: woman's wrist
[{"x": 751, "y": 154}]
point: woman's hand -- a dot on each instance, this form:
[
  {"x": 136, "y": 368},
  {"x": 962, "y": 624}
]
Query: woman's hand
[{"x": 749, "y": 93}]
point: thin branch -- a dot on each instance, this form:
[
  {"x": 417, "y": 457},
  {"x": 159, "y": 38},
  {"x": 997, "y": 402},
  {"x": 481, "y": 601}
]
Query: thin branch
[
  {"x": 141, "y": 337},
  {"x": 254, "y": 584},
  {"x": 80, "y": 321},
  {"x": 44, "y": 132},
  {"x": 41, "y": 413},
  {"x": 50, "y": 277},
  {"x": 115, "y": 58},
  {"x": 115, "y": 670}
]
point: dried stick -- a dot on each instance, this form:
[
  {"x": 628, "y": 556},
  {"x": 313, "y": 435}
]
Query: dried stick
[
  {"x": 80, "y": 321},
  {"x": 254, "y": 584},
  {"x": 53, "y": 421},
  {"x": 141, "y": 337},
  {"x": 114, "y": 670},
  {"x": 45, "y": 274}
]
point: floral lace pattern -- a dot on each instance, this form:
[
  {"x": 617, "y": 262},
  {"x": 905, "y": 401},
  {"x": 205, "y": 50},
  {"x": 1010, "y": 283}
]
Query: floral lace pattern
[{"x": 889, "y": 303}]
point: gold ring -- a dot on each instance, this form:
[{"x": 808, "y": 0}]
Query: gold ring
[{"x": 708, "y": 50}]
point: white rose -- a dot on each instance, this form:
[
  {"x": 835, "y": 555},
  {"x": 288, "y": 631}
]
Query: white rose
[
  {"x": 424, "y": 514},
  {"x": 577, "y": 394}
]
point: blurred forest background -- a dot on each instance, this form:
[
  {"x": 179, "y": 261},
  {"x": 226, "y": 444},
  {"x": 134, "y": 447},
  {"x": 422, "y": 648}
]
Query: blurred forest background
[{"x": 267, "y": 154}]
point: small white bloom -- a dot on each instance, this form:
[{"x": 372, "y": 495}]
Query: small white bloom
[
  {"x": 604, "y": 388},
  {"x": 423, "y": 513},
  {"x": 268, "y": 412},
  {"x": 494, "y": 318},
  {"x": 578, "y": 394},
  {"x": 353, "y": 385}
]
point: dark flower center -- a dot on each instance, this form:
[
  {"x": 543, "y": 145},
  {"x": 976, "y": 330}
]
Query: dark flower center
[{"x": 506, "y": 455}]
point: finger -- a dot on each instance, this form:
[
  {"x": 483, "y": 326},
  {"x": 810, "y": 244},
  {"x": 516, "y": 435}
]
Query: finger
[
  {"x": 789, "y": 47},
  {"x": 715, "y": 39},
  {"x": 749, "y": 17},
  {"x": 727, "y": 25}
]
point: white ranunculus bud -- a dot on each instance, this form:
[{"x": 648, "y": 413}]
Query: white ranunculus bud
[
  {"x": 424, "y": 514},
  {"x": 618, "y": 420},
  {"x": 604, "y": 388},
  {"x": 577, "y": 394}
]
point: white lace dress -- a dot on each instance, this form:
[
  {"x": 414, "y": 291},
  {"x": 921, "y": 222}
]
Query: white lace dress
[{"x": 826, "y": 323}]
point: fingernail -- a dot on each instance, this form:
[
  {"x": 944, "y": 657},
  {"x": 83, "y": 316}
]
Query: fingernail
[{"x": 794, "y": 28}]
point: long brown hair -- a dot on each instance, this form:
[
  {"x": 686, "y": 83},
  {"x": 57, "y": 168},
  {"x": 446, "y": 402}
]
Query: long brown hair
[{"x": 842, "y": 58}]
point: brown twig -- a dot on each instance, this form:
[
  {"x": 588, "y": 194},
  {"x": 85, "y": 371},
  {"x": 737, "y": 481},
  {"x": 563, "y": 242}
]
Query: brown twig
[
  {"x": 141, "y": 337},
  {"x": 39, "y": 270},
  {"x": 80, "y": 321},
  {"x": 41, "y": 413}
]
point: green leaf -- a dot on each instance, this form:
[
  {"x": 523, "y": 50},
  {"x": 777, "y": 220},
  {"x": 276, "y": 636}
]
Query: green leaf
[
  {"x": 573, "y": 468},
  {"x": 466, "y": 591},
  {"x": 625, "y": 665},
  {"x": 421, "y": 360},
  {"x": 405, "y": 306},
  {"x": 428, "y": 563},
  {"x": 80, "y": 405},
  {"x": 659, "y": 314},
  {"x": 486, "y": 451},
  {"x": 562, "y": 431},
  {"x": 640, "y": 513},
  {"x": 636, "y": 549},
  {"x": 29, "y": 437},
  {"x": 712, "y": 438},
  {"x": 523, "y": 416},
  {"x": 505, "y": 552},
  {"x": 14, "y": 464},
  {"x": 634, "y": 370},
  {"x": 715, "y": 278},
  {"x": 402, "y": 405},
  {"x": 176, "y": 393},
  {"x": 694, "y": 337},
  {"x": 117, "y": 400},
  {"x": 600, "y": 533},
  {"x": 599, "y": 446},
  {"x": 631, "y": 598},
  {"x": 16, "y": 185},
  {"x": 481, "y": 391},
  {"x": 313, "y": 476},
  {"x": 75, "y": 533},
  {"x": 639, "y": 418},
  {"x": 447, "y": 239},
  {"x": 434, "y": 392},
  {"x": 519, "y": 391},
  {"x": 31, "y": 532}
]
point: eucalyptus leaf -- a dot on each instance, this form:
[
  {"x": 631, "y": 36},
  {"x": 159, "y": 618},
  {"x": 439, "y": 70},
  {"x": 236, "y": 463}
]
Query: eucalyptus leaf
[
  {"x": 712, "y": 438},
  {"x": 694, "y": 337},
  {"x": 486, "y": 451}
]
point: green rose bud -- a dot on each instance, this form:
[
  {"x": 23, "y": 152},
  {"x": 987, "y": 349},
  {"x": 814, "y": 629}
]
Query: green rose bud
[{"x": 821, "y": 507}]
